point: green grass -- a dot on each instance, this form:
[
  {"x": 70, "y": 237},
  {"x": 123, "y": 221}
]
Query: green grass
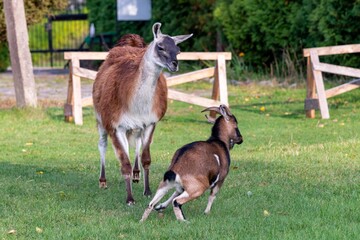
[{"x": 304, "y": 172}]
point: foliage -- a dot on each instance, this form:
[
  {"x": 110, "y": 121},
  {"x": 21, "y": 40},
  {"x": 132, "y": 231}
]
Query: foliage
[
  {"x": 4, "y": 56},
  {"x": 292, "y": 178},
  {"x": 34, "y": 12},
  {"x": 177, "y": 17},
  {"x": 102, "y": 14},
  {"x": 266, "y": 31}
]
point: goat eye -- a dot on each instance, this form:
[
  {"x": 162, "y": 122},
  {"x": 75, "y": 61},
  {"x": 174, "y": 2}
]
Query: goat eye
[{"x": 161, "y": 48}]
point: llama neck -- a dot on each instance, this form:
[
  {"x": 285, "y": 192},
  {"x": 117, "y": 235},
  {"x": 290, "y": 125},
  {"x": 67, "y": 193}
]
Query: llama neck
[{"x": 150, "y": 69}]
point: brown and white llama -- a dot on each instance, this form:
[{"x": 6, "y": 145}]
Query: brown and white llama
[{"x": 130, "y": 97}]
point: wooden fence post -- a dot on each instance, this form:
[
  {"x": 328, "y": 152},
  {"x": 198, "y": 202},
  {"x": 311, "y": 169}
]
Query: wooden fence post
[
  {"x": 319, "y": 85},
  {"x": 310, "y": 87},
  {"x": 76, "y": 86},
  {"x": 68, "y": 108}
]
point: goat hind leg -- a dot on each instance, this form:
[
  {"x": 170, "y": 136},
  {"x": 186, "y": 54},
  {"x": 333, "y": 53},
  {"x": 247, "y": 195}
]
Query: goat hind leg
[
  {"x": 163, "y": 205},
  {"x": 160, "y": 193},
  {"x": 189, "y": 194}
]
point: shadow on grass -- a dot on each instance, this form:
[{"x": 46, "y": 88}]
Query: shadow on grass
[{"x": 73, "y": 186}]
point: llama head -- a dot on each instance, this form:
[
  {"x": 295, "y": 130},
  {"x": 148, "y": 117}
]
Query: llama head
[{"x": 166, "y": 49}]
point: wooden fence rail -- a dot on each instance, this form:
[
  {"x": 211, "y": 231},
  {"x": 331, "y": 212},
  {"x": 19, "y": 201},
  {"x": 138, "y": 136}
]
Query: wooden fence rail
[
  {"x": 75, "y": 102},
  {"x": 316, "y": 95}
]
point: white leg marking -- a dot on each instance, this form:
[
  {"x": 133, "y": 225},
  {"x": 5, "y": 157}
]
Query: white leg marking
[
  {"x": 178, "y": 212},
  {"x": 211, "y": 199},
  {"x": 102, "y": 145},
  {"x": 121, "y": 136},
  {"x": 158, "y": 195},
  {"x": 167, "y": 202}
]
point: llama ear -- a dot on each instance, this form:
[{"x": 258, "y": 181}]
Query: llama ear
[
  {"x": 180, "y": 38},
  {"x": 156, "y": 30}
]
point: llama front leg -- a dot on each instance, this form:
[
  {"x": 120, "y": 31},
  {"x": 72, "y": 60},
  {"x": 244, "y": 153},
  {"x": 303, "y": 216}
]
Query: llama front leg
[
  {"x": 102, "y": 145},
  {"x": 121, "y": 148},
  {"x": 145, "y": 157}
]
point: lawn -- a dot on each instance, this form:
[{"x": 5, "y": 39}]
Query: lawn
[{"x": 292, "y": 178}]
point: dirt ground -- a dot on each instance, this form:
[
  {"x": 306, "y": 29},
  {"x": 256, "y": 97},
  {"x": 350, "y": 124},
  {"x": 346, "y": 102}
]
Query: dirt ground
[{"x": 51, "y": 88}]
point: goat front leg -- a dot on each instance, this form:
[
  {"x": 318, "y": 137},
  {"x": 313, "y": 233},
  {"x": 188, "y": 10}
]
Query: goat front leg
[
  {"x": 211, "y": 199},
  {"x": 145, "y": 157},
  {"x": 102, "y": 145},
  {"x": 121, "y": 147}
]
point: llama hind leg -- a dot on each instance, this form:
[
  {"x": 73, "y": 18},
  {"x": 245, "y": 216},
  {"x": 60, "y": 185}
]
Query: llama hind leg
[
  {"x": 145, "y": 156},
  {"x": 136, "y": 169},
  {"x": 121, "y": 148},
  {"x": 102, "y": 146}
]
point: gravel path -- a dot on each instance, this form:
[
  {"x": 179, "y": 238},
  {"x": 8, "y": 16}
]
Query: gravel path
[{"x": 51, "y": 88}]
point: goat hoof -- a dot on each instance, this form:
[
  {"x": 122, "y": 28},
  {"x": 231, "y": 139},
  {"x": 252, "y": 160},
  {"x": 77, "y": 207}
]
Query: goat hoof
[{"x": 130, "y": 203}]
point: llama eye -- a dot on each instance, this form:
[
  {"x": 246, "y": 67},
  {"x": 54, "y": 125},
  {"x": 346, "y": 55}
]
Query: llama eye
[{"x": 160, "y": 48}]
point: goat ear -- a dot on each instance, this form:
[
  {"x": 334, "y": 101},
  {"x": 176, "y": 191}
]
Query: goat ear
[
  {"x": 225, "y": 111},
  {"x": 210, "y": 119},
  {"x": 180, "y": 38},
  {"x": 156, "y": 30}
]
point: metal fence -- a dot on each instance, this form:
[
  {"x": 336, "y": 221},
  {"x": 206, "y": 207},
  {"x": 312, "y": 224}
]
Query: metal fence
[{"x": 55, "y": 35}]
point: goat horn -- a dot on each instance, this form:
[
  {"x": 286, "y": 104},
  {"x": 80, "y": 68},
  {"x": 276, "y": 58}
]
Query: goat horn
[{"x": 216, "y": 109}]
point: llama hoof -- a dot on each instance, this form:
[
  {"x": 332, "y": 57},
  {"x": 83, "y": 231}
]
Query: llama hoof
[
  {"x": 102, "y": 184},
  {"x": 130, "y": 202},
  {"x": 136, "y": 176},
  {"x": 147, "y": 193}
]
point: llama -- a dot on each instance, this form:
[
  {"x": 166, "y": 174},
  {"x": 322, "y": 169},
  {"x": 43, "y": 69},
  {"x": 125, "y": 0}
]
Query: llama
[
  {"x": 130, "y": 97},
  {"x": 199, "y": 166}
]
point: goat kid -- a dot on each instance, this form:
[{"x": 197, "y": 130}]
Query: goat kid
[
  {"x": 199, "y": 166},
  {"x": 130, "y": 97}
]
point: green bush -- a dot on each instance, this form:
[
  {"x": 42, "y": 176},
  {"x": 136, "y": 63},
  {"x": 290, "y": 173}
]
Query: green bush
[
  {"x": 4, "y": 56},
  {"x": 272, "y": 32}
]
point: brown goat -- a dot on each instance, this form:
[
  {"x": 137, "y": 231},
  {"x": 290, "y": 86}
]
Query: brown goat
[
  {"x": 130, "y": 97},
  {"x": 199, "y": 166}
]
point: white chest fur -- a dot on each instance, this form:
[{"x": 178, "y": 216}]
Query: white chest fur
[{"x": 141, "y": 113}]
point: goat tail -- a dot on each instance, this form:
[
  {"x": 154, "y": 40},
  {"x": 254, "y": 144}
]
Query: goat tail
[
  {"x": 132, "y": 40},
  {"x": 169, "y": 176}
]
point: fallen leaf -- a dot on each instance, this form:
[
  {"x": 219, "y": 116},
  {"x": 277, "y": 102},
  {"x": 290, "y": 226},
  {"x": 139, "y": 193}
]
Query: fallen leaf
[
  {"x": 12, "y": 231},
  {"x": 266, "y": 213},
  {"x": 262, "y": 109},
  {"x": 40, "y": 172},
  {"x": 38, "y": 230},
  {"x": 28, "y": 144}
]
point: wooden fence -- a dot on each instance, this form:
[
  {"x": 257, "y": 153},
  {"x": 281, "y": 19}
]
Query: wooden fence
[
  {"x": 316, "y": 96},
  {"x": 75, "y": 102}
]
